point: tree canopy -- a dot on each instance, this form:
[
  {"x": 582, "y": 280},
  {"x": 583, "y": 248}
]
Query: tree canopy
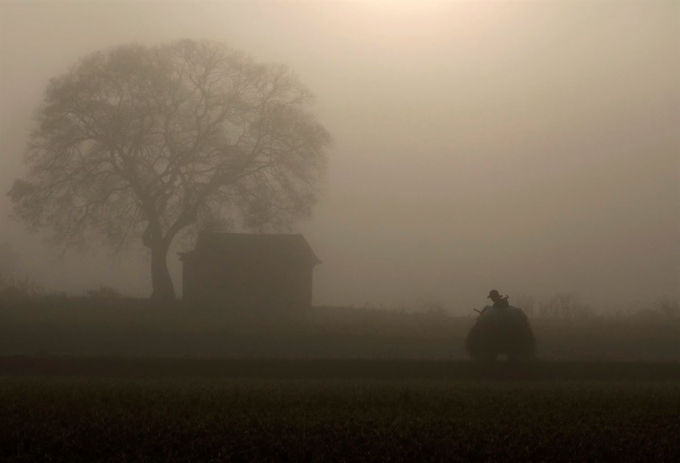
[{"x": 147, "y": 142}]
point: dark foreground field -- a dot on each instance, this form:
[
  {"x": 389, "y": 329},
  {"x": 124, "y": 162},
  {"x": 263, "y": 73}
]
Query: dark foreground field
[{"x": 61, "y": 409}]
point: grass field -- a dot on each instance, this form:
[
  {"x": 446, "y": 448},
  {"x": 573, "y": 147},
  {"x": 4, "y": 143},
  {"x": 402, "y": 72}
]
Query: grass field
[
  {"x": 123, "y": 383},
  {"x": 70, "y": 409}
]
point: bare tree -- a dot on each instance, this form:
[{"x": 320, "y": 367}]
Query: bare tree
[{"x": 140, "y": 142}]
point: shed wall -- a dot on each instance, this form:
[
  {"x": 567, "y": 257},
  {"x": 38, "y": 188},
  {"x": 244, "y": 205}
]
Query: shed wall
[{"x": 261, "y": 286}]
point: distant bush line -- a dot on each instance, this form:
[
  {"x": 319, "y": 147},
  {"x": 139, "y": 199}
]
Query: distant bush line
[{"x": 106, "y": 323}]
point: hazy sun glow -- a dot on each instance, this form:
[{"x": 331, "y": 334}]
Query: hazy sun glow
[{"x": 412, "y": 23}]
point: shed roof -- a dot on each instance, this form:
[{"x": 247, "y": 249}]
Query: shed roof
[{"x": 246, "y": 246}]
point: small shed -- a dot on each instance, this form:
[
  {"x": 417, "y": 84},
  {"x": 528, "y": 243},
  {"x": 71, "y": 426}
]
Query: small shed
[{"x": 250, "y": 272}]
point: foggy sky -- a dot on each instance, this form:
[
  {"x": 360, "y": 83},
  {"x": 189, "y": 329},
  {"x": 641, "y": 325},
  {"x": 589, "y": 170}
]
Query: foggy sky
[{"x": 531, "y": 147}]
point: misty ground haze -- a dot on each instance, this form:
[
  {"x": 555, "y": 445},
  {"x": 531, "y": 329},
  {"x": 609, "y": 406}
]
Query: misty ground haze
[{"x": 524, "y": 146}]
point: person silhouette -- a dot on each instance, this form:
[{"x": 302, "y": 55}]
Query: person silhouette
[{"x": 499, "y": 301}]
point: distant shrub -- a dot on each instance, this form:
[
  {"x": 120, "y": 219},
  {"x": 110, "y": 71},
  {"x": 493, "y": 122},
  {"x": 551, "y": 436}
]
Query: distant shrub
[
  {"x": 431, "y": 308},
  {"x": 11, "y": 296},
  {"x": 667, "y": 307},
  {"x": 103, "y": 292},
  {"x": 646, "y": 315},
  {"x": 14, "y": 291},
  {"x": 565, "y": 306},
  {"x": 526, "y": 302},
  {"x": 56, "y": 296}
]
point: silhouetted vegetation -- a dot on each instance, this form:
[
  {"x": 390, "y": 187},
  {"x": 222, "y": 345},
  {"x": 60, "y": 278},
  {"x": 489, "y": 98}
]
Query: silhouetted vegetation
[
  {"x": 105, "y": 323},
  {"x": 103, "y": 292}
]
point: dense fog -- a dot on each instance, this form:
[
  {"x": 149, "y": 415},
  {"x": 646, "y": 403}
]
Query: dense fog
[{"x": 529, "y": 147}]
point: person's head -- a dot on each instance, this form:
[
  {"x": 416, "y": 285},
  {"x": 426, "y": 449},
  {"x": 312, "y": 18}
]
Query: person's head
[{"x": 494, "y": 295}]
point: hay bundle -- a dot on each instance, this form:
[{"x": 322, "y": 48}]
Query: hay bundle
[{"x": 501, "y": 331}]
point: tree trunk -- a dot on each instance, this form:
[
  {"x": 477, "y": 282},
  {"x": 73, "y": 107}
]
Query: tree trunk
[{"x": 161, "y": 282}]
